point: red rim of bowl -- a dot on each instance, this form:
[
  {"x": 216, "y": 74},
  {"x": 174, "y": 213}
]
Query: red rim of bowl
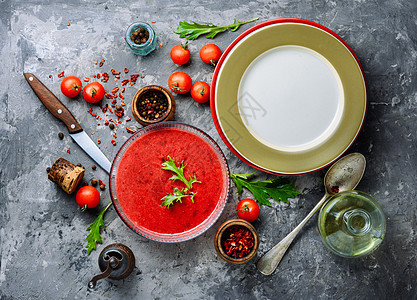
[
  {"x": 189, "y": 234},
  {"x": 221, "y": 61}
]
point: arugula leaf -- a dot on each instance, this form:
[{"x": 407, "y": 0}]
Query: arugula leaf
[
  {"x": 178, "y": 194},
  {"x": 169, "y": 164},
  {"x": 193, "y": 30},
  {"x": 278, "y": 188},
  {"x": 94, "y": 236}
]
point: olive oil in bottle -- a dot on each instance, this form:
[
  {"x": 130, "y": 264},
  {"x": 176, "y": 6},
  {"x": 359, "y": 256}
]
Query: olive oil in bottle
[{"x": 352, "y": 224}]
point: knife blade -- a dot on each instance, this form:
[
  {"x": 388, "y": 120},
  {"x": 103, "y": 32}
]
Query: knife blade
[{"x": 75, "y": 130}]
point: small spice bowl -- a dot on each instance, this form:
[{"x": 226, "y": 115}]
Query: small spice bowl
[
  {"x": 231, "y": 233},
  {"x": 144, "y": 44},
  {"x": 153, "y": 104}
]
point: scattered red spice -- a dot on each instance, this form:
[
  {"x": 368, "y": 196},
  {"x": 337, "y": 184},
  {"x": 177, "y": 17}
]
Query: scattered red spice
[
  {"x": 124, "y": 82},
  {"x": 98, "y": 142},
  {"x": 114, "y": 135},
  {"x": 122, "y": 103},
  {"x": 121, "y": 96},
  {"x": 237, "y": 241},
  {"x": 153, "y": 21},
  {"x": 113, "y": 142},
  {"x": 160, "y": 45},
  {"x": 69, "y": 150},
  {"x": 61, "y": 74},
  {"x": 123, "y": 90},
  {"x": 101, "y": 62},
  {"x": 50, "y": 76},
  {"x": 115, "y": 90},
  {"x": 68, "y": 24},
  {"x": 93, "y": 132},
  {"x": 90, "y": 111},
  {"x": 86, "y": 79},
  {"x": 335, "y": 189},
  {"x": 126, "y": 70},
  {"x": 95, "y": 62},
  {"x": 130, "y": 130},
  {"x": 128, "y": 119}
]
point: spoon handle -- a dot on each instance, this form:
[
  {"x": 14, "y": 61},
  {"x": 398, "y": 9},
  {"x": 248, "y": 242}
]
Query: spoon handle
[{"x": 269, "y": 262}]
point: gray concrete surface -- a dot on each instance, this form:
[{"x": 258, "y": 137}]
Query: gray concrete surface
[{"x": 42, "y": 254}]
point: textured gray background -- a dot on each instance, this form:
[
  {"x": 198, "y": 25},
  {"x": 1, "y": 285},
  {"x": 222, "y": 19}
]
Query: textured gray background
[{"x": 42, "y": 252}]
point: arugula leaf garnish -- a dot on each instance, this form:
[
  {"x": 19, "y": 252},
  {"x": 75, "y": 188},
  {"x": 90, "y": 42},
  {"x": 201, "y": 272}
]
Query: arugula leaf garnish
[
  {"x": 169, "y": 164},
  {"x": 178, "y": 194},
  {"x": 94, "y": 236},
  {"x": 278, "y": 188},
  {"x": 193, "y": 30}
]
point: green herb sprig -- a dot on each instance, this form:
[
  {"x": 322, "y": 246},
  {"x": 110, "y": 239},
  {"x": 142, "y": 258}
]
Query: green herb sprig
[
  {"x": 278, "y": 188},
  {"x": 176, "y": 196},
  {"x": 169, "y": 164},
  {"x": 193, "y": 30},
  {"x": 94, "y": 235}
]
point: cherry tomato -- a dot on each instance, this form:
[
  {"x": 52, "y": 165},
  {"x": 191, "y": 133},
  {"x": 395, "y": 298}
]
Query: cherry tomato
[
  {"x": 87, "y": 197},
  {"x": 247, "y": 209},
  {"x": 180, "y": 82},
  {"x": 210, "y": 54},
  {"x": 93, "y": 92},
  {"x": 200, "y": 91},
  {"x": 71, "y": 86},
  {"x": 180, "y": 54}
]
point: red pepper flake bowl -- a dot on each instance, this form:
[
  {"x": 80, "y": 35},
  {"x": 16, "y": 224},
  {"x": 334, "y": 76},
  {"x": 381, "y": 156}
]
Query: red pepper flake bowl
[
  {"x": 236, "y": 241},
  {"x": 153, "y": 104}
]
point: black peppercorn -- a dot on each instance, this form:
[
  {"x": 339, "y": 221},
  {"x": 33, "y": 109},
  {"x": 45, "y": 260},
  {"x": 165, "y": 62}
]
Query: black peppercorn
[
  {"x": 111, "y": 126},
  {"x": 94, "y": 182},
  {"x": 60, "y": 135},
  {"x": 93, "y": 167}
]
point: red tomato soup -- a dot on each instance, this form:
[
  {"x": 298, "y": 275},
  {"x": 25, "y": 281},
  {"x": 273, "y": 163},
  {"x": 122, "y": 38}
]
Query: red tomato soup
[{"x": 141, "y": 182}]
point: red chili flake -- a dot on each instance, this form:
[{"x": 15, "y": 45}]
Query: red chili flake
[
  {"x": 121, "y": 96},
  {"x": 124, "y": 82},
  {"x": 86, "y": 79},
  {"x": 114, "y": 135},
  {"x": 94, "y": 76},
  {"x": 126, "y": 70},
  {"x": 123, "y": 90},
  {"x": 153, "y": 21},
  {"x": 160, "y": 45},
  {"x": 101, "y": 182},
  {"x": 108, "y": 96},
  {"x": 133, "y": 78},
  {"x": 335, "y": 189},
  {"x": 104, "y": 109},
  {"x": 50, "y": 76},
  {"x": 122, "y": 102},
  {"x": 115, "y": 79},
  {"x": 68, "y": 24},
  {"x": 101, "y": 62},
  {"x": 91, "y": 112},
  {"x": 69, "y": 150},
  {"x": 128, "y": 119},
  {"x": 98, "y": 142},
  {"x": 115, "y": 90},
  {"x": 93, "y": 132},
  {"x": 105, "y": 77},
  {"x": 105, "y": 147},
  {"x": 114, "y": 72},
  {"x": 95, "y": 62},
  {"x": 142, "y": 76},
  {"x": 113, "y": 142},
  {"x": 106, "y": 122},
  {"x": 98, "y": 75},
  {"x": 61, "y": 74},
  {"x": 115, "y": 96},
  {"x": 237, "y": 241},
  {"x": 119, "y": 113},
  {"x": 130, "y": 130}
]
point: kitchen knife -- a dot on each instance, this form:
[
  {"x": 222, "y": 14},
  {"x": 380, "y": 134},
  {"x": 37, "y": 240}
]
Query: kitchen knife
[{"x": 59, "y": 110}]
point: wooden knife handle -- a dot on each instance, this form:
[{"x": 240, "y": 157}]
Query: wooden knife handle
[{"x": 52, "y": 103}]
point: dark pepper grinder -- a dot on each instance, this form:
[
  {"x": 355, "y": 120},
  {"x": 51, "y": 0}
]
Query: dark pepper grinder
[{"x": 116, "y": 261}]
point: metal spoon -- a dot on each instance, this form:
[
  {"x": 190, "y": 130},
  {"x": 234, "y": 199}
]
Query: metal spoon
[{"x": 343, "y": 175}]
